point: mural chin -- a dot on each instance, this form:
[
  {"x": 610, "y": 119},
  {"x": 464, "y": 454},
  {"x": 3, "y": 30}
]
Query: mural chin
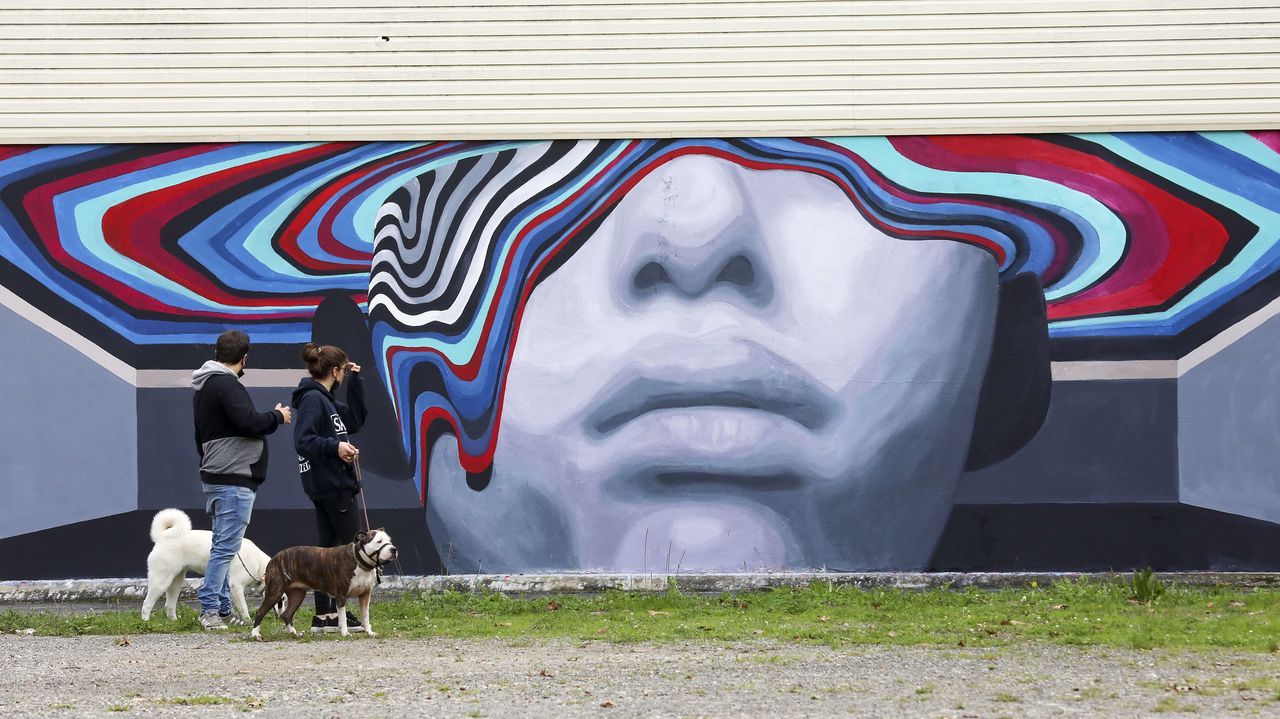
[{"x": 712, "y": 536}]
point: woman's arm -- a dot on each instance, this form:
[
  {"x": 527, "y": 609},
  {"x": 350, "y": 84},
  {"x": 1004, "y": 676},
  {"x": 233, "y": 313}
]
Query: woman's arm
[{"x": 354, "y": 412}]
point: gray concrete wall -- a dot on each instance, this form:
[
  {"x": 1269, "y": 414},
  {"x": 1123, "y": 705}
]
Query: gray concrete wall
[
  {"x": 1229, "y": 428},
  {"x": 1103, "y": 441},
  {"x": 69, "y": 428}
]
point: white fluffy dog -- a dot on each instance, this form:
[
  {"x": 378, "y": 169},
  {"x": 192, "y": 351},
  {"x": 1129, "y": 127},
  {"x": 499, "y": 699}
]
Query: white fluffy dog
[{"x": 180, "y": 549}]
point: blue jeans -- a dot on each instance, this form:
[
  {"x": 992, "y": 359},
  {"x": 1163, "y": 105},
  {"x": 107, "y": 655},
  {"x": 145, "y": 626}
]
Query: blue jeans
[{"x": 230, "y": 508}]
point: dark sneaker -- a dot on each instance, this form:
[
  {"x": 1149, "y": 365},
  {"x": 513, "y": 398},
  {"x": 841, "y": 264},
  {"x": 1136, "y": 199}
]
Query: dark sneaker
[
  {"x": 233, "y": 620},
  {"x": 321, "y": 626},
  {"x": 353, "y": 624},
  {"x": 212, "y": 622}
]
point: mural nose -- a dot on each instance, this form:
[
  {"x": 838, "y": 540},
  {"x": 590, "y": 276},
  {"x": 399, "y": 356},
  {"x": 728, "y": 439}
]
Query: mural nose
[{"x": 691, "y": 232}]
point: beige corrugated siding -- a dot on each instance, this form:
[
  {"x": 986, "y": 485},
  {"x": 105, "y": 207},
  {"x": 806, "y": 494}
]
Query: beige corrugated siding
[{"x": 160, "y": 70}]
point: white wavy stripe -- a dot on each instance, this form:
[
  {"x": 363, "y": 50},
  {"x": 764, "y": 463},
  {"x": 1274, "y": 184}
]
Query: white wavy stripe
[
  {"x": 543, "y": 180},
  {"x": 482, "y": 241},
  {"x": 431, "y": 222},
  {"x": 405, "y": 226}
]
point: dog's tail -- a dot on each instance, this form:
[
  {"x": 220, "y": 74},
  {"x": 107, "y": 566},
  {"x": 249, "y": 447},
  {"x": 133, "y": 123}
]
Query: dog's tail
[{"x": 168, "y": 523}]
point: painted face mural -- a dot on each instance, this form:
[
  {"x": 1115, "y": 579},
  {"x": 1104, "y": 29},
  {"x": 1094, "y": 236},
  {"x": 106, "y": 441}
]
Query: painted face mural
[
  {"x": 735, "y": 368},
  {"x": 676, "y": 354},
  {"x": 722, "y": 355}
]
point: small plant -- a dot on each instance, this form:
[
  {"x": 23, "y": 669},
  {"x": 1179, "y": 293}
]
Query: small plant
[{"x": 1146, "y": 586}]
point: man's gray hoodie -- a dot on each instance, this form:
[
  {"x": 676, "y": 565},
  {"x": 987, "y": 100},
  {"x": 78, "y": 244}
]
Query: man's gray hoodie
[{"x": 229, "y": 431}]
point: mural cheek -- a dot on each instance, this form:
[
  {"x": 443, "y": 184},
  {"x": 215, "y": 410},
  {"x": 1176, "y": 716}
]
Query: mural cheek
[{"x": 520, "y": 520}]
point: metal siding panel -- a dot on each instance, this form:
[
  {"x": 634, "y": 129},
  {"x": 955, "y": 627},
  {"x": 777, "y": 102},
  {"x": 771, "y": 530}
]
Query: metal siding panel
[{"x": 128, "y": 70}]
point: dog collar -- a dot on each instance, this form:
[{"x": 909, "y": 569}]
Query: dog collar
[{"x": 364, "y": 560}]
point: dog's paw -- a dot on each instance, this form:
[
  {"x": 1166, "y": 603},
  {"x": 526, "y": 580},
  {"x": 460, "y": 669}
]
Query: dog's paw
[
  {"x": 344, "y": 633},
  {"x": 256, "y": 634},
  {"x": 370, "y": 632},
  {"x": 292, "y": 631}
]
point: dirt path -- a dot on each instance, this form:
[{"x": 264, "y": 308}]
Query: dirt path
[{"x": 203, "y": 675}]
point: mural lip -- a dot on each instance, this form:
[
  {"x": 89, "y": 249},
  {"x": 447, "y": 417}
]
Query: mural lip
[{"x": 757, "y": 381}]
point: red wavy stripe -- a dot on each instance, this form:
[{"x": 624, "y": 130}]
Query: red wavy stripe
[
  {"x": 1171, "y": 242},
  {"x": 358, "y": 259},
  {"x": 39, "y": 207},
  {"x": 133, "y": 228}
]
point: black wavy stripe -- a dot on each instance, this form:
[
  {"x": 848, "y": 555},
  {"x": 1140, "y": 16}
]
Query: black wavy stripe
[
  {"x": 429, "y": 222},
  {"x": 555, "y": 152},
  {"x": 429, "y": 231},
  {"x": 454, "y": 236},
  {"x": 402, "y": 199}
]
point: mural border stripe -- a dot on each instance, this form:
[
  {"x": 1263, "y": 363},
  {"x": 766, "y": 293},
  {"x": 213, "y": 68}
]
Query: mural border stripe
[{"x": 104, "y": 359}]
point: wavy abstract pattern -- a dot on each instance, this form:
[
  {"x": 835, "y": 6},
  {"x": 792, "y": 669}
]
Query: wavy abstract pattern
[
  {"x": 166, "y": 245},
  {"x": 1136, "y": 237},
  {"x": 1131, "y": 235}
]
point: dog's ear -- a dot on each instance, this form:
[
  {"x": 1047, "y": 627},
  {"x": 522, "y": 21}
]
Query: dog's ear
[{"x": 361, "y": 537}]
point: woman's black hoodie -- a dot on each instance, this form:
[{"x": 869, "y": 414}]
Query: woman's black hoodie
[{"x": 320, "y": 423}]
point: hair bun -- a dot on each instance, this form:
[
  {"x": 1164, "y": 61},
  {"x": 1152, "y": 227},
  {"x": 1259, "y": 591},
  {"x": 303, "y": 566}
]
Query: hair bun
[{"x": 310, "y": 353}]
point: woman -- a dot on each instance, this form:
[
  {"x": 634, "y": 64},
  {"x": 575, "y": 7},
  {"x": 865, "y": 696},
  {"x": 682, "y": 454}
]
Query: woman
[{"x": 326, "y": 457}]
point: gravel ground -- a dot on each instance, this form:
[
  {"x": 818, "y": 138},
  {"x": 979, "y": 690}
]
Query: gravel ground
[{"x": 216, "y": 675}]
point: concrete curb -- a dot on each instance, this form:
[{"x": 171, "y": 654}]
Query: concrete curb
[{"x": 134, "y": 589}]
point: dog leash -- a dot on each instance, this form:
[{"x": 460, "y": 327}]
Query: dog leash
[
  {"x": 364, "y": 507},
  {"x": 246, "y": 568}
]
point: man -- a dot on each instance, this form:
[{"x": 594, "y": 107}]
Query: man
[{"x": 233, "y": 464}]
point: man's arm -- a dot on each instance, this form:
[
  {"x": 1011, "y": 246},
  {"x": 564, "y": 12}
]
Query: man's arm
[{"x": 241, "y": 413}]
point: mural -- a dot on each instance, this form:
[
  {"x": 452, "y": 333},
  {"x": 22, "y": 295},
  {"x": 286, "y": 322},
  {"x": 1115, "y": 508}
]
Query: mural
[{"x": 711, "y": 355}]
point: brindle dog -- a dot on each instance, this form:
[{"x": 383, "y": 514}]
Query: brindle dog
[{"x": 341, "y": 572}]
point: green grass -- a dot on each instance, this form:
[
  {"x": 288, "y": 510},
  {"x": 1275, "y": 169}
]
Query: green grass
[{"x": 1082, "y": 613}]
